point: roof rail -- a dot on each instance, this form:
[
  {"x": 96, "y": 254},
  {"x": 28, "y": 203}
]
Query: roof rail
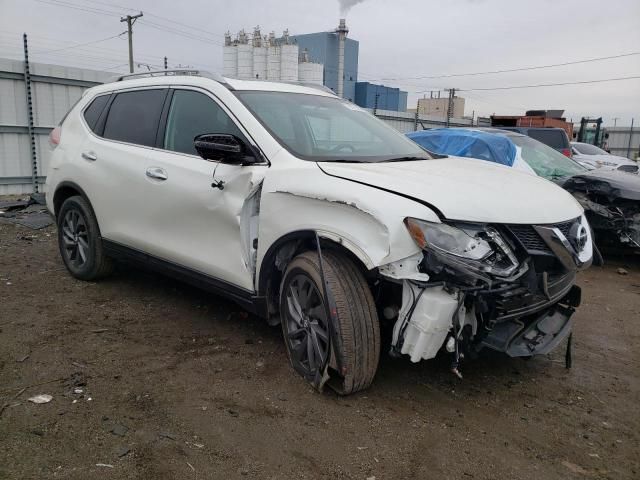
[
  {"x": 322, "y": 88},
  {"x": 173, "y": 73}
]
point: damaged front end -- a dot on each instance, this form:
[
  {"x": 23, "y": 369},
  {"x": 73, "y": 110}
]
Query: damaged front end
[
  {"x": 611, "y": 201},
  {"x": 509, "y": 288}
]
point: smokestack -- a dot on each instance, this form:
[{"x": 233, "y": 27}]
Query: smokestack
[{"x": 342, "y": 31}]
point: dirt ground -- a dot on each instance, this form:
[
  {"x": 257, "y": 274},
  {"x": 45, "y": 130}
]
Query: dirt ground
[{"x": 178, "y": 383}]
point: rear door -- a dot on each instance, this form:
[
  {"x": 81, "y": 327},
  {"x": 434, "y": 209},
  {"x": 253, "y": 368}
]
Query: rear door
[{"x": 116, "y": 160}]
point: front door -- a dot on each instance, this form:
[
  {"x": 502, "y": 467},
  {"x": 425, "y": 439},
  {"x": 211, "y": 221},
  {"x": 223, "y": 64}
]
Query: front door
[{"x": 195, "y": 212}]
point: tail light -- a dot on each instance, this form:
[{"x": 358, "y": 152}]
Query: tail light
[
  {"x": 54, "y": 137},
  {"x": 567, "y": 152}
]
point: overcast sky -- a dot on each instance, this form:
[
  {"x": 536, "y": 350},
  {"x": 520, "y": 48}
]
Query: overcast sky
[{"x": 399, "y": 39}]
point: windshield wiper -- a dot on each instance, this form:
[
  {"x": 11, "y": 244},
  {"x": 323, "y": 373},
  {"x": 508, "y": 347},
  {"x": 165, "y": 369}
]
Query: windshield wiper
[
  {"x": 343, "y": 160},
  {"x": 403, "y": 159}
]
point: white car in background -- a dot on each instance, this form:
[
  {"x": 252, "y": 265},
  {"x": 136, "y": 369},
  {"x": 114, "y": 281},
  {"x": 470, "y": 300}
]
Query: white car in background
[{"x": 591, "y": 156}]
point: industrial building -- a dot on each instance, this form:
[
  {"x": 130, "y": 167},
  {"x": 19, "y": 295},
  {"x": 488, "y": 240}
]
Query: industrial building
[
  {"x": 370, "y": 95},
  {"x": 438, "y": 106},
  {"x": 268, "y": 58},
  {"x": 338, "y": 54}
]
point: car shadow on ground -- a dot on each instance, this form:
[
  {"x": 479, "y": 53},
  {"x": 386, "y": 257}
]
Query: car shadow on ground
[{"x": 394, "y": 373}]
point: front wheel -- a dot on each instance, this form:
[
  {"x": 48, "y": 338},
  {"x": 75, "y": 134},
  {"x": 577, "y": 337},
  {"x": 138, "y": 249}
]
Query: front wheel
[{"x": 305, "y": 325}]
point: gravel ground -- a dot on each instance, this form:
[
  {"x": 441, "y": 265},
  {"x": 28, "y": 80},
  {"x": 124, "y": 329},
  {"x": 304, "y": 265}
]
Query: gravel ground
[{"x": 152, "y": 379}]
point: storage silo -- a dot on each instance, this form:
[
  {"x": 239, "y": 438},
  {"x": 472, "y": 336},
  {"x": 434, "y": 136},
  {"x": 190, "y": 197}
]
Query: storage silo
[
  {"x": 273, "y": 59},
  {"x": 288, "y": 59},
  {"x": 259, "y": 56},
  {"x": 289, "y": 63},
  {"x": 245, "y": 57},
  {"x": 230, "y": 58},
  {"x": 311, "y": 73}
]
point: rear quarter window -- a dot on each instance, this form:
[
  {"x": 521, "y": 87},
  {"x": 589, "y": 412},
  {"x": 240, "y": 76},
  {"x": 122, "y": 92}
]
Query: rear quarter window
[
  {"x": 553, "y": 138},
  {"x": 93, "y": 111},
  {"x": 134, "y": 116}
]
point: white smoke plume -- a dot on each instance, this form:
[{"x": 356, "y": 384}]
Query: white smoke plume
[{"x": 345, "y": 5}]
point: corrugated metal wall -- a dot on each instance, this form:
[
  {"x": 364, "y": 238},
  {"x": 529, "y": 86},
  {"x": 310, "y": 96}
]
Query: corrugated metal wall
[
  {"x": 406, "y": 121},
  {"x": 618, "y": 141},
  {"x": 54, "y": 90}
]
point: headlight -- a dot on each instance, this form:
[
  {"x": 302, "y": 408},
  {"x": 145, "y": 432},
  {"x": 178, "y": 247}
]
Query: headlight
[
  {"x": 475, "y": 248},
  {"x": 451, "y": 240}
]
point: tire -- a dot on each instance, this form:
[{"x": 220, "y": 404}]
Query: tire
[
  {"x": 80, "y": 242},
  {"x": 357, "y": 331}
]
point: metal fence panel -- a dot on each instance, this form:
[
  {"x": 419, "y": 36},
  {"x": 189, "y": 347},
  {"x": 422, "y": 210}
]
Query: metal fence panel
[
  {"x": 55, "y": 89},
  {"x": 13, "y": 109},
  {"x": 618, "y": 141}
]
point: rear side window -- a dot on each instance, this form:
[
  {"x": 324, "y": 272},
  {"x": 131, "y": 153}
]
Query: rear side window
[
  {"x": 553, "y": 138},
  {"x": 134, "y": 117},
  {"x": 93, "y": 111}
]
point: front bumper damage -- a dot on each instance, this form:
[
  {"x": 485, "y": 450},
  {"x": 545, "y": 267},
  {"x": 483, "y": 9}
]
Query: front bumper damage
[{"x": 445, "y": 308}]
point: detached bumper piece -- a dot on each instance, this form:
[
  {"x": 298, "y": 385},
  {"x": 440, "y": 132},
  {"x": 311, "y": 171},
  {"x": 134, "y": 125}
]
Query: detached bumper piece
[{"x": 536, "y": 335}]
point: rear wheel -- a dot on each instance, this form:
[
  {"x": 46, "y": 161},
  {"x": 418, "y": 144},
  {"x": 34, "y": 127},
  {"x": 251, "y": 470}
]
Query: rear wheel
[
  {"x": 356, "y": 349},
  {"x": 80, "y": 242}
]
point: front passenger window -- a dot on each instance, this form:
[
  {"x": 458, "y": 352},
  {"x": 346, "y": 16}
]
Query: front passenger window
[{"x": 192, "y": 114}]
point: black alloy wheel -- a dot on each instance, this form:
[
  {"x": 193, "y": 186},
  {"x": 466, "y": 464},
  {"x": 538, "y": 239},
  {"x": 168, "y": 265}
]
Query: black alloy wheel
[
  {"x": 351, "y": 347},
  {"x": 80, "y": 242},
  {"x": 75, "y": 238},
  {"x": 306, "y": 327}
]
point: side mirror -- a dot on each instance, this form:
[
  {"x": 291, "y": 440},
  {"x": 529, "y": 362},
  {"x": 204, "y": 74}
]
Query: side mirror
[{"x": 225, "y": 148}]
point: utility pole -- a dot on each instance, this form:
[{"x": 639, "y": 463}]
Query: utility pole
[
  {"x": 130, "y": 19},
  {"x": 630, "y": 137},
  {"x": 615, "y": 121},
  {"x": 452, "y": 94}
]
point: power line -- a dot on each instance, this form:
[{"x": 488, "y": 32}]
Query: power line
[
  {"x": 47, "y": 41},
  {"x": 164, "y": 28},
  {"x": 75, "y": 6},
  {"x": 520, "y": 69},
  {"x": 546, "y": 84},
  {"x": 192, "y": 27},
  {"x": 79, "y": 44},
  {"x": 167, "y": 29}
]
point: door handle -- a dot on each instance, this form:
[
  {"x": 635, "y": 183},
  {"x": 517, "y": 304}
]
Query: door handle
[
  {"x": 92, "y": 157},
  {"x": 157, "y": 173}
]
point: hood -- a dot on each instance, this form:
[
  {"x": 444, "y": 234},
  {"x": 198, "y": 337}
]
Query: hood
[
  {"x": 604, "y": 158},
  {"x": 612, "y": 183},
  {"x": 468, "y": 190}
]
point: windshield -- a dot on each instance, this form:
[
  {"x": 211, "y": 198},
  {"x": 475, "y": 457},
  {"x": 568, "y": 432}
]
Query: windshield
[
  {"x": 318, "y": 128},
  {"x": 546, "y": 161},
  {"x": 586, "y": 149}
]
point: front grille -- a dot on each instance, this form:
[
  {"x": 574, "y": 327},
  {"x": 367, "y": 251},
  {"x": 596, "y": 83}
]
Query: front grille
[
  {"x": 522, "y": 300},
  {"x": 628, "y": 168},
  {"x": 533, "y": 242}
]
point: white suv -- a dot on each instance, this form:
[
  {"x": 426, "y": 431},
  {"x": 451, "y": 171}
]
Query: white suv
[{"x": 268, "y": 192}]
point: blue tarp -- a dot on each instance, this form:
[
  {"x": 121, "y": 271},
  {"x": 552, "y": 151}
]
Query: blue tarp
[{"x": 467, "y": 143}]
